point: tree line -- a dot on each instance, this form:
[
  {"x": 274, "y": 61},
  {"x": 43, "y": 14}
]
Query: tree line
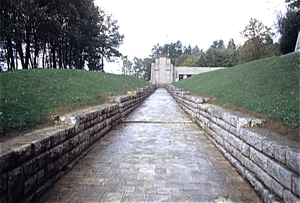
[
  {"x": 57, "y": 34},
  {"x": 259, "y": 44}
]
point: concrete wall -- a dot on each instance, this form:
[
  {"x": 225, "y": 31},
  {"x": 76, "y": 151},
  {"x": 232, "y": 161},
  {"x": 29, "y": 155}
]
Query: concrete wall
[
  {"x": 270, "y": 163},
  {"x": 185, "y": 71},
  {"x": 29, "y": 165}
]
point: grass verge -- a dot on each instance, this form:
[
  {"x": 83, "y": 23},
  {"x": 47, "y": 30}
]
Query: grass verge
[
  {"x": 268, "y": 86},
  {"x": 27, "y": 96}
]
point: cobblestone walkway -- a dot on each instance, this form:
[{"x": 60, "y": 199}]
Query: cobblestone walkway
[{"x": 156, "y": 155}]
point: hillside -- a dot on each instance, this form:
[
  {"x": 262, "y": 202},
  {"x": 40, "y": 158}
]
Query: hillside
[
  {"x": 268, "y": 87},
  {"x": 28, "y": 96}
]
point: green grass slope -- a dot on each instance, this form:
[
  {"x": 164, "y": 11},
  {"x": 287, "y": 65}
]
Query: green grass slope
[
  {"x": 28, "y": 95},
  {"x": 268, "y": 86}
]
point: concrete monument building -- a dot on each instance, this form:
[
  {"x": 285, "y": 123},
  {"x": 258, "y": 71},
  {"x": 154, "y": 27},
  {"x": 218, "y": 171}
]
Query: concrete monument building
[{"x": 163, "y": 72}]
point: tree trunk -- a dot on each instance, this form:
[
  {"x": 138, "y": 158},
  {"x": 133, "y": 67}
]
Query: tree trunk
[
  {"x": 43, "y": 60},
  {"x": 27, "y": 54},
  {"x": 53, "y": 56},
  {"x": 36, "y": 51},
  {"x": 10, "y": 55},
  {"x": 20, "y": 51},
  {"x": 102, "y": 63},
  {"x": 60, "y": 55}
]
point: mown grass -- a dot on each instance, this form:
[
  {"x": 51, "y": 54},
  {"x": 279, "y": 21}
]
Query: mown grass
[
  {"x": 27, "y": 96},
  {"x": 268, "y": 86}
]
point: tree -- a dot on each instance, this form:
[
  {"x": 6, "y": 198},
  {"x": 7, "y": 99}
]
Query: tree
[
  {"x": 139, "y": 68},
  {"x": 110, "y": 40},
  {"x": 127, "y": 67},
  {"x": 156, "y": 51},
  {"x": 257, "y": 35},
  {"x": 147, "y": 71},
  {"x": 187, "y": 50},
  {"x": 196, "y": 51},
  {"x": 57, "y": 34},
  {"x": 172, "y": 51},
  {"x": 288, "y": 27},
  {"x": 231, "y": 58},
  {"x": 180, "y": 60},
  {"x": 231, "y": 44},
  {"x": 294, "y": 4}
]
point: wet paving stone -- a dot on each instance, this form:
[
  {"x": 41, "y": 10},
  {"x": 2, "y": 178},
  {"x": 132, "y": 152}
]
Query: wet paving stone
[{"x": 156, "y": 155}]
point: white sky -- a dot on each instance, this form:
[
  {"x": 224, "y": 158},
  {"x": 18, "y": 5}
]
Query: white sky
[{"x": 145, "y": 23}]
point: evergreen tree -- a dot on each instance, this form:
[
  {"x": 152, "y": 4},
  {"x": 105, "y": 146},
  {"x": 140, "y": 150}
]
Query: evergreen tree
[
  {"x": 288, "y": 27},
  {"x": 57, "y": 33}
]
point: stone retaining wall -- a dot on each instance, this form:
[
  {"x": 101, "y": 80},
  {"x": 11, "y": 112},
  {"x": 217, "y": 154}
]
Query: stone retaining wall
[
  {"x": 30, "y": 164},
  {"x": 268, "y": 161}
]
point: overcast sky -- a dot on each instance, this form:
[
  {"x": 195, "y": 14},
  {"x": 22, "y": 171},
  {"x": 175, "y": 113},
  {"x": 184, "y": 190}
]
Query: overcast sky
[{"x": 145, "y": 23}]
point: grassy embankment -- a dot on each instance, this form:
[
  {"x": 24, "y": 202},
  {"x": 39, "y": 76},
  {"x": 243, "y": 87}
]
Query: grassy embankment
[
  {"x": 28, "y": 96},
  {"x": 269, "y": 87}
]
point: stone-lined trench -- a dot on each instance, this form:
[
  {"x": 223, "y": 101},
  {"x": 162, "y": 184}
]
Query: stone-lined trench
[{"x": 156, "y": 154}]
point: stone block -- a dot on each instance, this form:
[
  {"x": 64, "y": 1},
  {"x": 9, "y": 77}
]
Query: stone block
[
  {"x": 73, "y": 141},
  {"x": 70, "y": 132},
  {"x": 212, "y": 134},
  {"x": 6, "y": 161},
  {"x": 289, "y": 197},
  {"x": 54, "y": 167},
  {"x": 251, "y": 178},
  {"x": 245, "y": 149},
  {"x": 220, "y": 123},
  {"x": 228, "y": 147},
  {"x": 239, "y": 156},
  {"x": 280, "y": 173},
  {"x": 203, "y": 113},
  {"x": 252, "y": 137},
  {"x": 15, "y": 185},
  {"x": 40, "y": 146},
  {"x": 28, "y": 168},
  {"x": 3, "y": 184},
  {"x": 40, "y": 161},
  {"x": 56, "y": 152},
  {"x": 75, "y": 152},
  {"x": 43, "y": 188},
  {"x": 216, "y": 128},
  {"x": 30, "y": 184},
  {"x": 293, "y": 160},
  {"x": 82, "y": 136},
  {"x": 40, "y": 177},
  {"x": 277, "y": 188},
  {"x": 228, "y": 117},
  {"x": 87, "y": 124},
  {"x": 95, "y": 120},
  {"x": 58, "y": 138},
  {"x": 275, "y": 150},
  {"x": 236, "y": 142},
  {"x": 296, "y": 185},
  {"x": 219, "y": 139},
  {"x": 23, "y": 153},
  {"x": 232, "y": 129},
  {"x": 259, "y": 159},
  {"x": 240, "y": 169},
  {"x": 262, "y": 175}
]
